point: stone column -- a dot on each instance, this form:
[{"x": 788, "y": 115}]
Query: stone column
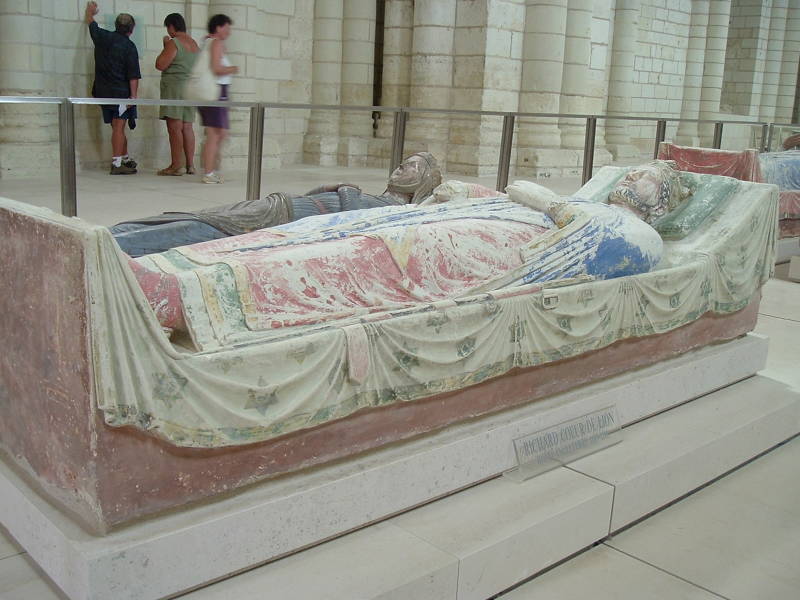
[
  {"x": 758, "y": 62},
  {"x": 397, "y": 45},
  {"x": 285, "y": 130},
  {"x": 787, "y": 89},
  {"x": 599, "y": 65},
  {"x": 398, "y": 31},
  {"x": 487, "y": 76},
  {"x": 542, "y": 71},
  {"x": 28, "y": 134},
  {"x": 321, "y": 144},
  {"x": 472, "y": 57},
  {"x": 431, "y": 75},
  {"x": 539, "y": 140},
  {"x": 688, "y": 133},
  {"x": 620, "y": 85},
  {"x": 358, "y": 64},
  {"x": 714, "y": 67},
  {"x": 575, "y": 81},
  {"x": 774, "y": 60}
]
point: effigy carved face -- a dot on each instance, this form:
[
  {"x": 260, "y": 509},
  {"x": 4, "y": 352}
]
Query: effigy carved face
[
  {"x": 650, "y": 190},
  {"x": 417, "y": 175},
  {"x": 409, "y": 172}
]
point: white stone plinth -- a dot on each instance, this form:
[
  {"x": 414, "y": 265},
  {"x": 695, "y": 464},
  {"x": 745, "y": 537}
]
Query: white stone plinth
[
  {"x": 794, "y": 269},
  {"x": 662, "y": 459},
  {"x": 786, "y": 248},
  {"x": 178, "y": 551},
  {"x": 502, "y": 532}
]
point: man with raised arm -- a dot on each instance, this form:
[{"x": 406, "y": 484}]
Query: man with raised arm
[{"x": 116, "y": 75}]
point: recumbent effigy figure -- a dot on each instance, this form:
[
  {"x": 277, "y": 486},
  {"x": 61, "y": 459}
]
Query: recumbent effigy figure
[
  {"x": 337, "y": 266},
  {"x": 295, "y": 355},
  {"x": 411, "y": 182}
]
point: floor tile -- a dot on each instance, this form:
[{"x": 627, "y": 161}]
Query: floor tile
[
  {"x": 21, "y": 579},
  {"x": 498, "y": 529},
  {"x": 380, "y": 562},
  {"x": 106, "y": 200},
  {"x": 781, "y": 299},
  {"x": 734, "y": 537},
  {"x": 782, "y": 271},
  {"x": 669, "y": 455},
  {"x": 783, "y": 360},
  {"x": 603, "y": 573},
  {"x": 8, "y": 546}
]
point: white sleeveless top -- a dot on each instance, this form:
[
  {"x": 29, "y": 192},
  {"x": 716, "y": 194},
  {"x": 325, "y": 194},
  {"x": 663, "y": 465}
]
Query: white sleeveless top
[{"x": 225, "y": 79}]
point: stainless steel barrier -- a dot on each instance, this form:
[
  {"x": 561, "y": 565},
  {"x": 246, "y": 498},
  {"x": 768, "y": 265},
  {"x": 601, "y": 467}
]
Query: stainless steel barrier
[
  {"x": 255, "y": 152},
  {"x": 506, "y": 143},
  {"x": 398, "y": 139},
  {"x": 66, "y": 132},
  {"x": 588, "y": 149},
  {"x": 661, "y": 134},
  {"x": 717, "y": 143},
  {"x": 66, "y": 146}
]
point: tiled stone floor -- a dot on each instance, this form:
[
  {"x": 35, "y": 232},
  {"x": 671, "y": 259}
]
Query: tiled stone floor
[
  {"x": 736, "y": 539},
  {"x": 106, "y": 199}
]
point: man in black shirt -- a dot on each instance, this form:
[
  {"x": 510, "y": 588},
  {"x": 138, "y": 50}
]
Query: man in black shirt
[{"x": 116, "y": 75}]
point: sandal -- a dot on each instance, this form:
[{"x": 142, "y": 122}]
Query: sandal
[
  {"x": 190, "y": 170},
  {"x": 172, "y": 171}
]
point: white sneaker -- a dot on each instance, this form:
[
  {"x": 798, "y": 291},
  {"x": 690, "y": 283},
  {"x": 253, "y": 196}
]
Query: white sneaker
[{"x": 212, "y": 178}]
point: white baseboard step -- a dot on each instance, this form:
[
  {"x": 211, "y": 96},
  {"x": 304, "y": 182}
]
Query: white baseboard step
[
  {"x": 471, "y": 544},
  {"x": 483, "y": 540}
]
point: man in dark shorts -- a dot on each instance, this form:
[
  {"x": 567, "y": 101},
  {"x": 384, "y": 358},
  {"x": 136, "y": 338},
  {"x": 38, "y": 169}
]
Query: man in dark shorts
[{"x": 116, "y": 75}]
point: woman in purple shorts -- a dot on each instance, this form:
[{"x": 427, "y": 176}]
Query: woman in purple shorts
[{"x": 215, "y": 119}]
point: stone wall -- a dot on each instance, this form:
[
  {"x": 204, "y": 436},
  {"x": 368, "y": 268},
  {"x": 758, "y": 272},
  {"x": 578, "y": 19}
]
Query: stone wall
[
  {"x": 660, "y": 66},
  {"x": 648, "y": 58},
  {"x": 690, "y": 59},
  {"x": 45, "y": 50}
]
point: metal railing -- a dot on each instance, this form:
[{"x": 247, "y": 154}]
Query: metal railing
[{"x": 258, "y": 112}]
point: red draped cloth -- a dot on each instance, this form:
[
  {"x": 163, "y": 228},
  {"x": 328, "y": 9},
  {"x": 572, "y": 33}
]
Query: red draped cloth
[{"x": 740, "y": 165}]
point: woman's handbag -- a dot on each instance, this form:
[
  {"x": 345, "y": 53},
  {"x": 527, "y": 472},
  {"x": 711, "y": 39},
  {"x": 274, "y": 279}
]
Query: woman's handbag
[{"x": 202, "y": 83}]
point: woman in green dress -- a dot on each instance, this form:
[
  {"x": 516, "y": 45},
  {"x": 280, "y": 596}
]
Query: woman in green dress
[{"x": 175, "y": 63}]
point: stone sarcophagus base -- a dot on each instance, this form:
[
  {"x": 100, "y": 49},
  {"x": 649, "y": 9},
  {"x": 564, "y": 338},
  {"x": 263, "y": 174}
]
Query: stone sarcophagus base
[
  {"x": 107, "y": 476},
  {"x": 147, "y": 559}
]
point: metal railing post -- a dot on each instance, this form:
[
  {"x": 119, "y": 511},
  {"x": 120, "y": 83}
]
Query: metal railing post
[
  {"x": 661, "y": 133},
  {"x": 506, "y": 142},
  {"x": 764, "y": 136},
  {"x": 588, "y": 149},
  {"x": 66, "y": 144},
  {"x": 717, "y": 143},
  {"x": 770, "y": 133},
  {"x": 255, "y": 150},
  {"x": 398, "y": 139}
]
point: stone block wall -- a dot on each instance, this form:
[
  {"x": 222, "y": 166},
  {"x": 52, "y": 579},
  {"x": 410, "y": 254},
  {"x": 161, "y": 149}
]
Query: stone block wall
[
  {"x": 690, "y": 59},
  {"x": 45, "y": 49},
  {"x": 748, "y": 34},
  {"x": 659, "y": 66}
]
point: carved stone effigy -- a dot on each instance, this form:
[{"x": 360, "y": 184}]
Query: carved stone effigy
[
  {"x": 783, "y": 169},
  {"x": 114, "y": 421},
  {"x": 778, "y": 168}
]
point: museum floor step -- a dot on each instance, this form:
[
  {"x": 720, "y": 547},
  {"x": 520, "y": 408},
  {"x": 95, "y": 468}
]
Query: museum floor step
[{"x": 479, "y": 542}]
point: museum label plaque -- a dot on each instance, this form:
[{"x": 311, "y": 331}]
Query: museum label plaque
[{"x": 565, "y": 442}]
